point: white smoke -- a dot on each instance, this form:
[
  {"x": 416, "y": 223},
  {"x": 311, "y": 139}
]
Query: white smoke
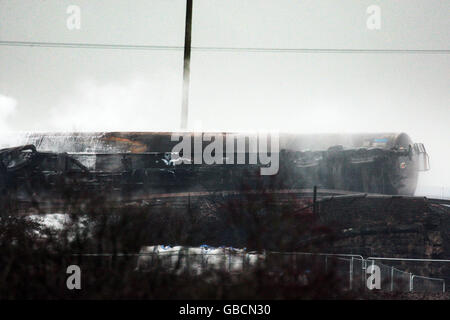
[
  {"x": 7, "y": 109},
  {"x": 136, "y": 105}
]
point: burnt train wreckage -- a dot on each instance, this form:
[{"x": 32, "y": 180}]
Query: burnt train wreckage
[{"x": 127, "y": 166}]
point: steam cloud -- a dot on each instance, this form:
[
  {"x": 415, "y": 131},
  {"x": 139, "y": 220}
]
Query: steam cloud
[
  {"x": 136, "y": 105},
  {"x": 7, "y": 109}
]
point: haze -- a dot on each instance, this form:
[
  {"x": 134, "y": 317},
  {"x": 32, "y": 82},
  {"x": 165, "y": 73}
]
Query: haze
[{"x": 61, "y": 89}]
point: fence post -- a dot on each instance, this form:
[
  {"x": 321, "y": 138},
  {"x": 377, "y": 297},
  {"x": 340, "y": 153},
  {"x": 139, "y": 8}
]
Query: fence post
[
  {"x": 204, "y": 264},
  {"x": 411, "y": 282},
  {"x": 351, "y": 274},
  {"x": 188, "y": 261},
  {"x": 326, "y": 264},
  {"x": 363, "y": 273},
  {"x": 392, "y": 278}
]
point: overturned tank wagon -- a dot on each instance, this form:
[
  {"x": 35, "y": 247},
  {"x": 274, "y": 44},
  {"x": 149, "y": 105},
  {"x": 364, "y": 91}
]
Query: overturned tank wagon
[{"x": 49, "y": 167}]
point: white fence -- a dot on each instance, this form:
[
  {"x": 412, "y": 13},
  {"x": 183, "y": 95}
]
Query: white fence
[
  {"x": 391, "y": 278},
  {"x": 351, "y": 269}
]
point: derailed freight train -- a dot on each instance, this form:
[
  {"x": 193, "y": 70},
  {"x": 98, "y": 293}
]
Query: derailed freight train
[{"x": 128, "y": 165}]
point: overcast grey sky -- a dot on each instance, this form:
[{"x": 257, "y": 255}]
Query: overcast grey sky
[{"x": 48, "y": 89}]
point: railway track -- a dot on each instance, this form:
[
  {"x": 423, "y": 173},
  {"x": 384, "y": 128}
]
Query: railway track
[{"x": 184, "y": 199}]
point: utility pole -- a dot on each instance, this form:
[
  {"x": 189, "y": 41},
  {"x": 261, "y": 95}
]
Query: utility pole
[{"x": 186, "y": 68}]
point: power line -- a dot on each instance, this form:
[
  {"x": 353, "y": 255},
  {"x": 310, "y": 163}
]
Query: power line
[
  {"x": 217, "y": 49},
  {"x": 322, "y": 50},
  {"x": 87, "y": 45}
]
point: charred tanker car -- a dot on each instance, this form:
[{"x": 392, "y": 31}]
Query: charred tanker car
[{"x": 52, "y": 167}]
